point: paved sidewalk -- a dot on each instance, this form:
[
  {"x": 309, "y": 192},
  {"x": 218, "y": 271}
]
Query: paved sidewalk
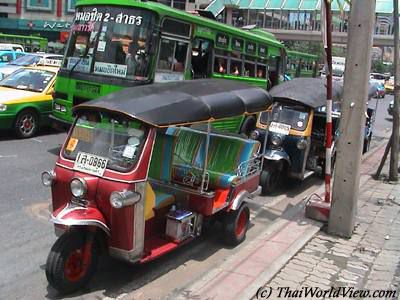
[
  {"x": 369, "y": 260},
  {"x": 267, "y": 259}
]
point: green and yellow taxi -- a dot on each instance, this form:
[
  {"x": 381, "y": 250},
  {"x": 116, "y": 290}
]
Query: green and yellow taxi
[{"x": 26, "y": 99}]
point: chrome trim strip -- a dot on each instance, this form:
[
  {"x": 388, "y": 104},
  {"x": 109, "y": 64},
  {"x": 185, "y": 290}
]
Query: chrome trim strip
[{"x": 70, "y": 222}]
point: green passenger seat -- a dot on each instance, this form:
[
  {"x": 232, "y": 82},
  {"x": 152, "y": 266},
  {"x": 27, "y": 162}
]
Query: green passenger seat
[
  {"x": 160, "y": 165},
  {"x": 226, "y": 153}
]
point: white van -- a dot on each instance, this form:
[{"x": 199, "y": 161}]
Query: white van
[{"x": 12, "y": 47}]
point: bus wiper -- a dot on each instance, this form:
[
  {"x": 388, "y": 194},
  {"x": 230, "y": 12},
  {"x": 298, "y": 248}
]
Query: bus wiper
[{"x": 85, "y": 55}]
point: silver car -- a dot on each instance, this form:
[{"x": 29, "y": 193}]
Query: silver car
[{"x": 31, "y": 59}]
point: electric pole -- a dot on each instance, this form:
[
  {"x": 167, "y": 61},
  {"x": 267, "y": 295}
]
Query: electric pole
[
  {"x": 394, "y": 152},
  {"x": 348, "y": 155}
]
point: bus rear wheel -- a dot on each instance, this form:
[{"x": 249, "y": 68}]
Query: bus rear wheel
[{"x": 71, "y": 263}]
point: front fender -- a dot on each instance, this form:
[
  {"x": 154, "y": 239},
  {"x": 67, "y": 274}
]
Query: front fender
[
  {"x": 75, "y": 215},
  {"x": 277, "y": 155}
]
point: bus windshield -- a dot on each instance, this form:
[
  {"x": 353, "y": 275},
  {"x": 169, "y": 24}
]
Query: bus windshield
[{"x": 110, "y": 41}]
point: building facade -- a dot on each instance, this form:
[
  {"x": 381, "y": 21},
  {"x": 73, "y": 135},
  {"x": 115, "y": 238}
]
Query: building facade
[{"x": 45, "y": 18}]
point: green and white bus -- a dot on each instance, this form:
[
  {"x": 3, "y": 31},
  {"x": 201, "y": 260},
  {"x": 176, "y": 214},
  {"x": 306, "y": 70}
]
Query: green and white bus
[
  {"x": 301, "y": 64},
  {"x": 30, "y": 43},
  {"x": 115, "y": 44}
]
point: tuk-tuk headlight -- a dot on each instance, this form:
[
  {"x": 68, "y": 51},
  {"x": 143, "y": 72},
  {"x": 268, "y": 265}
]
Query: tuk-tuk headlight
[
  {"x": 78, "y": 187},
  {"x": 276, "y": 140},
  {"x": 48, "y": 177},
  {"x": 254, "y": 134},
  {"x": 124, "y": 198},
  {"x": 302, "y": 144}
]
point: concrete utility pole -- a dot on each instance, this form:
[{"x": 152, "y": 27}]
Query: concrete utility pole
[
  {"x": 394, "y": 152},
  {"x": 348, "y": 157}
]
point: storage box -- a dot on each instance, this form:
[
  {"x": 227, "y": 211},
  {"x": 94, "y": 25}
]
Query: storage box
[{"x": 180, "y": 225}]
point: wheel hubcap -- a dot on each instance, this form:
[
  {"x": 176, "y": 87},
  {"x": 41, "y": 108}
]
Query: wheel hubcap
[
  {"x": 27, "y": 124},
  {"x": 241, "y": 223},
  {"x": 76, "y": 265}
]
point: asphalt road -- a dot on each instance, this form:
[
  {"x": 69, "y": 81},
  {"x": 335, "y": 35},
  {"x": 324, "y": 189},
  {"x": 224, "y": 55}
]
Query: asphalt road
[{"x": 27, "y": 236}]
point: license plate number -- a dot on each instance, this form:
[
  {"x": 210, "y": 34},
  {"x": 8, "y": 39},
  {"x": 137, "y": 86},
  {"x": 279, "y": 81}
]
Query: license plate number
[
  {"x": 279, "y": 128},
  {"x": 91, "y": 164}
]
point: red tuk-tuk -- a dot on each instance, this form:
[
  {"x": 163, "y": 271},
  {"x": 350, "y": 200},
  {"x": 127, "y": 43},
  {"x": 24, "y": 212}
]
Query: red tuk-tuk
[{"x": 135, "y": 181}]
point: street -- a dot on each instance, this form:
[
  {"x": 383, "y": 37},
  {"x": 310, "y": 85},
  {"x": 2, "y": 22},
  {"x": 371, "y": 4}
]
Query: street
[{"x": 27, "y": 235}]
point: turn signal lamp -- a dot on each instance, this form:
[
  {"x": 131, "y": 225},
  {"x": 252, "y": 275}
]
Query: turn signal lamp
[{"x": 124, "y": 198}]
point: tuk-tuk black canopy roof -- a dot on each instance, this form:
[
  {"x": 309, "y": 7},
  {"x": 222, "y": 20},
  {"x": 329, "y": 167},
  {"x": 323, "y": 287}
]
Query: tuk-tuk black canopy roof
[
  {"x": 183, "y": 102},
  {"x": 308, "y": 91}
]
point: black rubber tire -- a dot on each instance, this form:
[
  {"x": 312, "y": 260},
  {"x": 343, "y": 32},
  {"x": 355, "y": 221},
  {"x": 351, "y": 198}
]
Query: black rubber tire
[
  {"x": 231, "y": 222},
  {"x": 269, "y": 180},
  {"x": 28, "y": 115},
  {"x": 248, "y": 125},
  {"x": 57, "y": 258}
]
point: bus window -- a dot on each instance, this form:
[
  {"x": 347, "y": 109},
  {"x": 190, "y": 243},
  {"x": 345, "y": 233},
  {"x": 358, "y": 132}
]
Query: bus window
[
  {"x": 236, "y": 64},
  {"x": 220, "y": 65},
  {"x": 221, "y": 61},
  {"x": 249, "y": 67},
  {"x": 261, "y": 70},
  {"x": 172, "y": 56},
  {"x": 112, "y": 42},
  {"x": 201, "y": 50}
]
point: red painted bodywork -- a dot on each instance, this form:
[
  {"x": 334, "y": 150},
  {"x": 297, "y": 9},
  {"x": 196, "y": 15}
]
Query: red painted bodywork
[{"x": 119, "y": 221}]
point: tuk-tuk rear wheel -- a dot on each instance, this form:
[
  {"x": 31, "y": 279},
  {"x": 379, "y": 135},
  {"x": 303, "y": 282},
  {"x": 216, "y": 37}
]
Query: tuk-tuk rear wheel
[
  {"x": 236, "y": 224},
  {"x": 71, "y": 263}
]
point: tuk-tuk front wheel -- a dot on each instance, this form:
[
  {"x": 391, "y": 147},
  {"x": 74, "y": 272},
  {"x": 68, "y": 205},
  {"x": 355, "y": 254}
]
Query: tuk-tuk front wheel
[
  {"x": 236, "y": 225},
  {"x": 269, "y": 180},
  {"x": 71, "y": 263}
]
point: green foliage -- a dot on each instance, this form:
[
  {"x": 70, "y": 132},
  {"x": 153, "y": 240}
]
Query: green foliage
[
  {"x": 378, "y": 66},
  {"x": 314, "y": 48}
]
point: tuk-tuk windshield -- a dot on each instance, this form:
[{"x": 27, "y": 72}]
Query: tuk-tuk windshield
[
  {"x": 294, "y": 115},
  {"x": 115, "y": 138}
]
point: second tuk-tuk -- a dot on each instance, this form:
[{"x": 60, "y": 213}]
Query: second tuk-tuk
[
  {"x": 293, "y": 131},
  {"x": 134, "y": 181}
]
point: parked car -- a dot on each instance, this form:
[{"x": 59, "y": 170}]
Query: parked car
[
  {"x": 379, "y": 77},
  {"x": 12, "y": 47},
  {"x": 26, "y": 99},
  {"x": 7, "y": 56},
  {"x": 389, "y": 85},
  {"x": 31, "y": 59},
  {"x": 379, "y": 87}
]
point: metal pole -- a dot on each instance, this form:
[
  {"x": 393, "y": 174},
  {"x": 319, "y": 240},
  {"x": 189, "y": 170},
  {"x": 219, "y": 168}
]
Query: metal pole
[
  {"x": 394, "y": 152},
  {"x": 352, "y": 125},
  {"x": 203, "y": 179},
  {"x": 328, "y": 142}
]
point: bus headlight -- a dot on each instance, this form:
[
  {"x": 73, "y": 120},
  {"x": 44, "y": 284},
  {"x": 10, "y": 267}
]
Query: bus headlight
[
  {"x": 78, "y": 187},
  {"x": 48, "y": 177},
  {"x": 124, "y": 198},
  {"x": 276, "y": 140},
  {"x": 3, "y": 107},
  {"x": 302, "y": 144}
]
